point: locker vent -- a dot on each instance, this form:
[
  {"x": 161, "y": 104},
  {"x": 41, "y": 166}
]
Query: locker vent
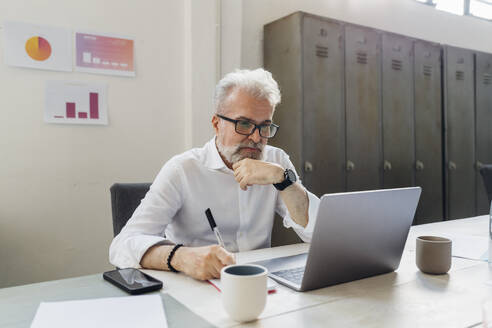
[
  {"x": 362, "y": 58},
  {"x": 460, "y": 75},
  {"x": 321, "y": 51},
  {"x": 487, "y": 78},
  {"x": 427, "y": 71},
  {"x": 396, "y": 64}
]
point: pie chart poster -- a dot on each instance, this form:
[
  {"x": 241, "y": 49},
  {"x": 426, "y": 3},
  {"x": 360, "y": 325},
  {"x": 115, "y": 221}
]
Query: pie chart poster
[{"x": 37, "y": 46}]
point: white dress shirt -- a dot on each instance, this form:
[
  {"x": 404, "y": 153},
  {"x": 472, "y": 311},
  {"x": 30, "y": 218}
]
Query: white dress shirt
[{"x": 173, "y": 210}]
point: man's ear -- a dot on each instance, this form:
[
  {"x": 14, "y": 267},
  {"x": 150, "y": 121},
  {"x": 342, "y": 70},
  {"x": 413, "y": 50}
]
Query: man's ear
[{"x": 215, "y": 124}]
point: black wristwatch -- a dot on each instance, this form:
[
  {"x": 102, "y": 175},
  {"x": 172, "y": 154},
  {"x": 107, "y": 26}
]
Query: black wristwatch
[{"x": 289, "y": 178}]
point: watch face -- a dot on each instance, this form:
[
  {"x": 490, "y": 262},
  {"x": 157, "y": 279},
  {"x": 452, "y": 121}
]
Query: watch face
[{"x": 291, "y": 175}]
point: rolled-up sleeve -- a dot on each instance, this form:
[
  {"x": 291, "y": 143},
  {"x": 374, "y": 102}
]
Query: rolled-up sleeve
[
  {"x": 305, "y": 233},
  {"x": 148, "y": 223}
]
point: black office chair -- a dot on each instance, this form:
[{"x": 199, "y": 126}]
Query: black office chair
[
  {"x": 486, "y": 172},
  {"x": 125, "y": 198}
]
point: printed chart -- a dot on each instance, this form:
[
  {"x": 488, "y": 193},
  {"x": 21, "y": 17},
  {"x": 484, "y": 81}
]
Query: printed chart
[
  {"x": 104, "y": 54},
  {"x": 76, "y": 103},
  {"x": 38, "y": 46}
]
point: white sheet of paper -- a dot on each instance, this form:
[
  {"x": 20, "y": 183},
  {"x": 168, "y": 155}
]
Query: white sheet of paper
[
  {"x": 75, "y": 102},
  {"x": 118, "y": 312},
  {"x": 469, "y": 247},
  {"x": 37, "y": 46}
]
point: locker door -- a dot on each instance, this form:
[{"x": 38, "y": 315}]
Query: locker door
[
  {"x": 323, "y": 114},
  {"x": 398, "y": 116},
  {"x": 282, "y": 57},
  {"x": 483, "y": 124},
  {"x": 428, "y": 131},
  {"x": 362, "y": 96},
  {"x": 459, "y": 133}
]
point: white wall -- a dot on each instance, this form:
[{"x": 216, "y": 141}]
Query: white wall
[
  {"x": 202, "y": 66},
  {"x": 55, "y": 215},
  {"x": 406, "y": 17}
]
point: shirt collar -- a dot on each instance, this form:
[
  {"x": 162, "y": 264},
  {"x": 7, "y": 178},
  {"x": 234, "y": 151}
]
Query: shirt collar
[{"x": 212, "y": 156}]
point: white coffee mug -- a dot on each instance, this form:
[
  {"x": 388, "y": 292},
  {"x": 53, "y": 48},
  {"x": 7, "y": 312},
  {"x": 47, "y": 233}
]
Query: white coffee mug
[{"x": 244, "y": 290}]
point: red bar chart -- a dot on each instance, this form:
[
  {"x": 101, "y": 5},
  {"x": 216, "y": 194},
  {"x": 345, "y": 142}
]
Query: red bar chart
[
  {"x": 76, "y": 102},
  {"x": 93, "y": 105}
]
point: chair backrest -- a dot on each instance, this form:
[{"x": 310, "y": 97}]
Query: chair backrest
[
  {"x": 125, "y": 198},
  {"x": 486, "y": 172}
]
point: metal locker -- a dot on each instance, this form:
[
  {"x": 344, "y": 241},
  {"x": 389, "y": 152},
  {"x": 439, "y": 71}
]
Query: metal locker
[
  {"x": 459, "y": 133},
  {"x": 323, "y": 111},
  {"x": 483, "y": 103},
  {"x": 362, "y": 97},
  {"x": 282, "y": 57},
  {"x": 428, "y": 131},
  {"x": 397, "y": 109}
]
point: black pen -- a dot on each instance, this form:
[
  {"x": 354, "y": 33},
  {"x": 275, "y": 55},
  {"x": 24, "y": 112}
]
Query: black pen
[{"x": 213, "y": 225}]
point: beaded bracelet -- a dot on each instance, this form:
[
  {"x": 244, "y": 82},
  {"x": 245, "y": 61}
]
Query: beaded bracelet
[{"x": 170, "y": 257}]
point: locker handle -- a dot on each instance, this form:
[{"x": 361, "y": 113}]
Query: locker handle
[
  {"x": 451, "y": 165},
  {"x": 479, "y": 165},
  {"x": 308, "y": 167},
  {"x": 350, "y": 166},
  {"x": 419, "y": 165},
  {"x": 387, "y": 165}
]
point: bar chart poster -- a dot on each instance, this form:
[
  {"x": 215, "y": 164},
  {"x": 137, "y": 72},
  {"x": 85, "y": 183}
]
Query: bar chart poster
[
  {"x": 104, "y": 54},
  {"x": 70, "y": 102},
  {"x": 38, "y": 46}
]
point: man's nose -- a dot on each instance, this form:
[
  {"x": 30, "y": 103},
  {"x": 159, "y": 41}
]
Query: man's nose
[{"x": 255, "y": 136}]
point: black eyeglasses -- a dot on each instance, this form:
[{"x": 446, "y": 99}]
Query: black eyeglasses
[{"x": 247, "y": 128}]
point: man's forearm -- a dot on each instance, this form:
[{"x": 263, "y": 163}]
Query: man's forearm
[
  {"x": 297, "y": 202},
  {"x": 198, "y": 262},
  {"x": 156, "y": 257}
]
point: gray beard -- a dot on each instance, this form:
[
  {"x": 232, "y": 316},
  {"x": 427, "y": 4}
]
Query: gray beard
[{"x": 232, "y": 153}]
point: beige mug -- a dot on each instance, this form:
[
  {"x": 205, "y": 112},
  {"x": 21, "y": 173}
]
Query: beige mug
[
  {"x": 433, "y": 254},
  {"x": 244, "y": 290}
]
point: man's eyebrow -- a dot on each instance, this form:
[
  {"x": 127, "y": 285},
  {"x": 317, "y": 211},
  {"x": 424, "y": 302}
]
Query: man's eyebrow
[{"x": 248, "y": 119}]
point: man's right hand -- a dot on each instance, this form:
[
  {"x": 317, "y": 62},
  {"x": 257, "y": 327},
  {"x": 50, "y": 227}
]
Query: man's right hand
[{"x": 202, "y": 263}]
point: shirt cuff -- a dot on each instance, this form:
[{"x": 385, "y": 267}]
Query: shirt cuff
[{"x": 136, "y": 247}]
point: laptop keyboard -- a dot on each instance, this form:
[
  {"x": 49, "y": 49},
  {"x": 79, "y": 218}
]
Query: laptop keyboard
[{"x": 294, "y": 275}]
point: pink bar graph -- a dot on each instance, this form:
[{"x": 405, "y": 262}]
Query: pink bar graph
[
  {"x": 94, "y": 105},
  {"x": 82, "y": 114},
  {"x": 70, "y": 110}
]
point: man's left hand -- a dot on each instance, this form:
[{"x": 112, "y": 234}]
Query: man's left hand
[{"x": 249, "y": 172}]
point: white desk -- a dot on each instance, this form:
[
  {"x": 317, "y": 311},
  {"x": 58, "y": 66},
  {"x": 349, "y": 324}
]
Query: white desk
[{"x": 405, "y": 298}]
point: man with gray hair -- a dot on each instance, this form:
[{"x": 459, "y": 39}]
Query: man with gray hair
[{"x": 241, "y": 179}]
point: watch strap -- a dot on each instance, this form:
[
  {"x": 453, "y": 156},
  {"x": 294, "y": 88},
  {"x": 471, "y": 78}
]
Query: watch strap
[{"x": 284, "y": 184}]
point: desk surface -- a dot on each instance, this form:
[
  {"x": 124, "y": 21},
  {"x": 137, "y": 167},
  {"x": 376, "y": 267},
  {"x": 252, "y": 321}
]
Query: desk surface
[{"x": 404, "y": 298}]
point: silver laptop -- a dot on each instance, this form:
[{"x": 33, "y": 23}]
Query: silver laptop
[{"x": 356, "y": 235}]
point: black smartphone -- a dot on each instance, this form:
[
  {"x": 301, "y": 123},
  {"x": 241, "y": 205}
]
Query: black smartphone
[{"x": 132, "y": 281}]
